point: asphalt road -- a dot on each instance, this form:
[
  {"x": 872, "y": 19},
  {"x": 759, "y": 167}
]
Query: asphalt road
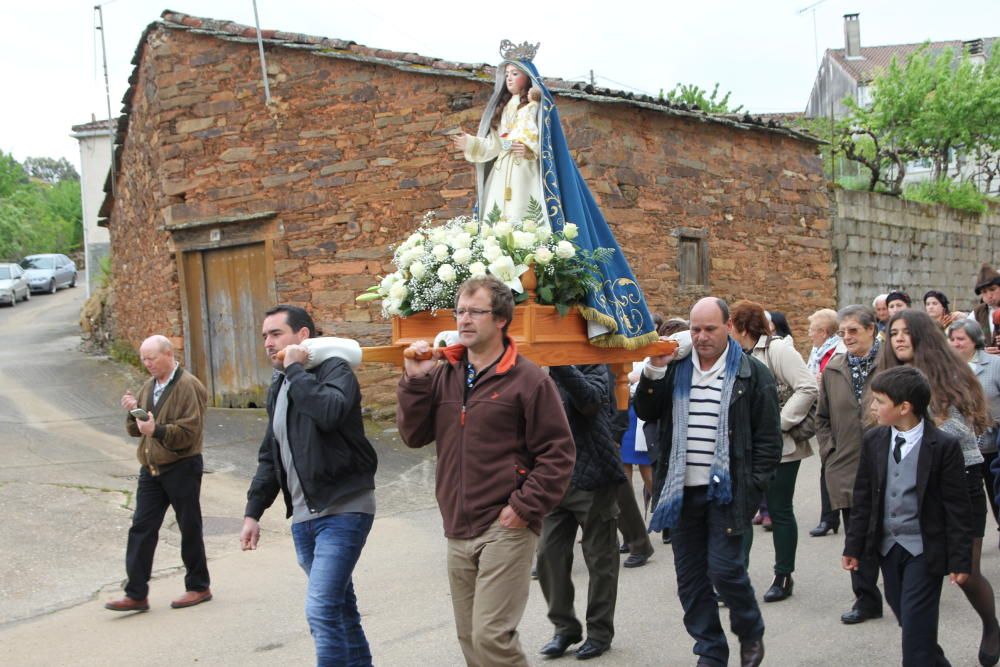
[{"x": 67, "y": 474}]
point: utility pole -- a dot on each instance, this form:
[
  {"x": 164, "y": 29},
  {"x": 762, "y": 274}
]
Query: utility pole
[
  {"x": 107, "y": 97},
  {"x": 263, "y": 62}
]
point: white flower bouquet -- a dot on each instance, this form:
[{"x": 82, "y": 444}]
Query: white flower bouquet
[{"x": 437, "y": 258}]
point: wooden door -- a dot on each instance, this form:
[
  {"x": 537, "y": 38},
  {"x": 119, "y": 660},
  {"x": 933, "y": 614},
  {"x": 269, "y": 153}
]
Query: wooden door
[{"x": 230, "y": 286}]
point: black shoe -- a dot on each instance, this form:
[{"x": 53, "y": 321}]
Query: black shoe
[
  {"x": 823, "y": 529},
  {"x": 636, "y": 560},
  {"x": 987, "y": 659},
  {"x": 623, "y": 549},
  {"x": 780, "y": 589},
  {"x": 666, "y": 536},
  {"x": 591, "y": 649},
  {"x": 558, "y": 645},
  {"x": 855, "y": 616},
  {"x": 752, "y": 653},
  {"x": 534, "y": 572}
]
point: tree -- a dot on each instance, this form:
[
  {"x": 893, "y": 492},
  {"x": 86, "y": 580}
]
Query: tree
[
  {"x": 933, "y": 107},
  {"x": 51, "y": 170},
  {"x": 12, "y": 175},
  {"x": 37, "y": 215},
  {"x": 690, "y": 94}
]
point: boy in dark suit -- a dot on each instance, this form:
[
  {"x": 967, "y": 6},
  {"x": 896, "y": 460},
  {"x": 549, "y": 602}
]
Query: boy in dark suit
[{"x": 911, "y": 509}]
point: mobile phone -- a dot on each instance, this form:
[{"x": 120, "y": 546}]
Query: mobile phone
[{"x": 139, "y": 414}]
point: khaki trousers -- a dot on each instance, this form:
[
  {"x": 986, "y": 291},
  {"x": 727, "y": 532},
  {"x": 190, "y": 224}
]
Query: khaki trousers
[{"x": 490, "y": 576}]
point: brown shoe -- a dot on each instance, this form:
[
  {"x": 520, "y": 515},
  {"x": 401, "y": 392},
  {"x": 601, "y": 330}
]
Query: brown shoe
[
  {"x": 191, "y": 598},
  {"x": 127, "y": 604}
]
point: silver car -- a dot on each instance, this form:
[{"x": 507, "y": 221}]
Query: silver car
[
  {"x": 47, "y": 273},
  {"x": 13, "y": 284}
]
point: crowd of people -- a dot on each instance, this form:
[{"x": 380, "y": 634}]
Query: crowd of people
[{"x": 901, "y": 404}]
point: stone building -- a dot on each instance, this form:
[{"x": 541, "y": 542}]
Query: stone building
[{"x": 226, "y": 205}]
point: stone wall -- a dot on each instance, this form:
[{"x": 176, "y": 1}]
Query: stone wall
[
  {"x": 353, "y": 153},
  {"x": 883, "y": 243}
]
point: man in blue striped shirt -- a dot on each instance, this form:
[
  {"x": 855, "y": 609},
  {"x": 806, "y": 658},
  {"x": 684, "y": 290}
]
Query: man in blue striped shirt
[{"x": 721, "y": 441}]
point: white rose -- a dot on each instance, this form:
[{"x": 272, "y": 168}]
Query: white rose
[
  {"x": 492, "y": 252},
  {"x": 438, "y": 235},
  {"x": 543, "y": 255},
  {"x": 528, "y": 225},
  {"x": 398, "y": 291},
  {"x": 524, "y": 240},
  {"x": 502, "y": 229},
  {"x": 570, "y": 231},
  {"x": 485, "y": 231},
  {"x": 418, "y": 270},
  {"x": 462, "y": 256},
  {"x": 477, "y": 269},
  {"x": 440, "y": 252},
  {"x": 446, "y": 272},
  {"x": 543, "y": 234},
  {"x": 388, "y": 281},
  {"x": 462, "y": 240},
  {"x": 471, "y": 227},
  {"x": 565, "y": 250}
]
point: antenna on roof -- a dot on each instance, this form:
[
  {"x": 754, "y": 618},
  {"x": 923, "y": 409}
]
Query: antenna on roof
[
  {"x": 813, "y": 7},
  {"x": 263, "y": 62},
  {"x": 107, "y": 97}
]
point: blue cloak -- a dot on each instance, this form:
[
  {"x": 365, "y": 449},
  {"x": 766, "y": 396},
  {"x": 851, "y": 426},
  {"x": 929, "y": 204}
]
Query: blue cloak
[{"x": 616, "y": 312}]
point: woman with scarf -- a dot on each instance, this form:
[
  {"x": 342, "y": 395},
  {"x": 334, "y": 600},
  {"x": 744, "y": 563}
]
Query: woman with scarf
[
  {"x": 524, "y": 169},
  {"x": 826, "y": 343},
  {"x": 958, "y": 407},
  {"x": 840, "y": 424},
  {"x": 750, "y": 329}
]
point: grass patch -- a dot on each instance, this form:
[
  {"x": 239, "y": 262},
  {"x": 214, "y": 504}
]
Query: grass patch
[
  {"x": 961, "y": 196},
  {"x": 124, "y": 353}
]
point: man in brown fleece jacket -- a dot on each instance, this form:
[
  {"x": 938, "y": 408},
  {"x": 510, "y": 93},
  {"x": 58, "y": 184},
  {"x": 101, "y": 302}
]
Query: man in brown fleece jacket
[
  {"x": 169, "y": 452},
  {"x": 505, "y": 457}
]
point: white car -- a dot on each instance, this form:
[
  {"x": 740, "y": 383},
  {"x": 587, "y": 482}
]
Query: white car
[
  {"x": 13, "y": 284},
  {"x": 47, "y": 273}
]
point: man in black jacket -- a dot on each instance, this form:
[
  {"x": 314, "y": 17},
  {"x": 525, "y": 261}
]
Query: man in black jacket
[
  {"x": 315, "y": 452},
  {"x": 590, "y": 503},
  {"x": 720, "y": 441}
]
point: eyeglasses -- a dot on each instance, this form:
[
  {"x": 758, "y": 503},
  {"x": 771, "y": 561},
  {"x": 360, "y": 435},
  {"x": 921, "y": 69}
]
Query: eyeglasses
[{"x": 474, "y": 313}]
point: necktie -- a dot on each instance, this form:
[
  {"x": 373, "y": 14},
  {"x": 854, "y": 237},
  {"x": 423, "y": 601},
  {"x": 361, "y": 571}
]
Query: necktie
[{"x": 897, "y": 450}]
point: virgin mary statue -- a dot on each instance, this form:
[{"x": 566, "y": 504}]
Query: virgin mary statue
[{"x": 521, "y": 155}]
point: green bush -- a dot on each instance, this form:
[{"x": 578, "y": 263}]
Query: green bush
[{"x": 961, "y": 196}]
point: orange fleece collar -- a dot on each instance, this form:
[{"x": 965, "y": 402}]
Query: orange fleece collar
[{"x": 454, "y": 354}]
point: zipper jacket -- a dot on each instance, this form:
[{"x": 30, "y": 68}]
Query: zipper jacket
[{"x": 504, "y": 441}]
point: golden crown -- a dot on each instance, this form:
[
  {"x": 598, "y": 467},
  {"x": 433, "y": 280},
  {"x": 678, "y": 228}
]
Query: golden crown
[{"x": 523, "y": 51}]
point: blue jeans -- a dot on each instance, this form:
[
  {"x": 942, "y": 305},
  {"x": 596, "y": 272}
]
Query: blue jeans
[
  {"x": 705, "y": 557},
  {"x": 327, "y": 549}
]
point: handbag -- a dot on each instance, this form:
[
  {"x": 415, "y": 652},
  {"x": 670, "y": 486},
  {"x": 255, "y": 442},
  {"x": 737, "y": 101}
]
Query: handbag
[{"x": 806, "y": 428}]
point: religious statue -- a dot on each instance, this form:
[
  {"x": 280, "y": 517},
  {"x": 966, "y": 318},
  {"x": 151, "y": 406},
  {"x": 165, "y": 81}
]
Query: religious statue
[{"x": 521, "y": 157}]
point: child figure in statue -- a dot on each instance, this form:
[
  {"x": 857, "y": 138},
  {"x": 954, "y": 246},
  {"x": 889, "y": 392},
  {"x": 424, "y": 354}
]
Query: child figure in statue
[{"x": 512, "y": 147}]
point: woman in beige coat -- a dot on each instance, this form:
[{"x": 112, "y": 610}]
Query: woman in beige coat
[
  {"x": 750, "y": 329},
  {"x": 840, "y": 424}
]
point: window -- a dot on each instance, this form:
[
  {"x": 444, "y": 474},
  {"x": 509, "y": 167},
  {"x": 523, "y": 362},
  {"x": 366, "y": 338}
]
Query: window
[{"x": 692, "y": 261}]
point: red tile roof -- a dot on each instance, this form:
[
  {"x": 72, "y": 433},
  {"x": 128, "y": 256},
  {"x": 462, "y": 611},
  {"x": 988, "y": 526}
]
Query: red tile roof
[{"x": 875, "y": 59}]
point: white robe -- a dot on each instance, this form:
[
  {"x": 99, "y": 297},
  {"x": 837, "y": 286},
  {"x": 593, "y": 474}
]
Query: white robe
[{"x": 513, "y": 181}]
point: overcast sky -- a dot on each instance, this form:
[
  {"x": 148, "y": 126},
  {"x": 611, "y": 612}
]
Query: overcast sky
[{"x": 764, "y": 51}]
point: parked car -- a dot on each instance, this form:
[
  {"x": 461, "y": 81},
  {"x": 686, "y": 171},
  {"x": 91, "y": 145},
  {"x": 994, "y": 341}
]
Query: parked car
[
  {"x": 49, "y": 272},
  {"x": 13, "y": 284}
]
